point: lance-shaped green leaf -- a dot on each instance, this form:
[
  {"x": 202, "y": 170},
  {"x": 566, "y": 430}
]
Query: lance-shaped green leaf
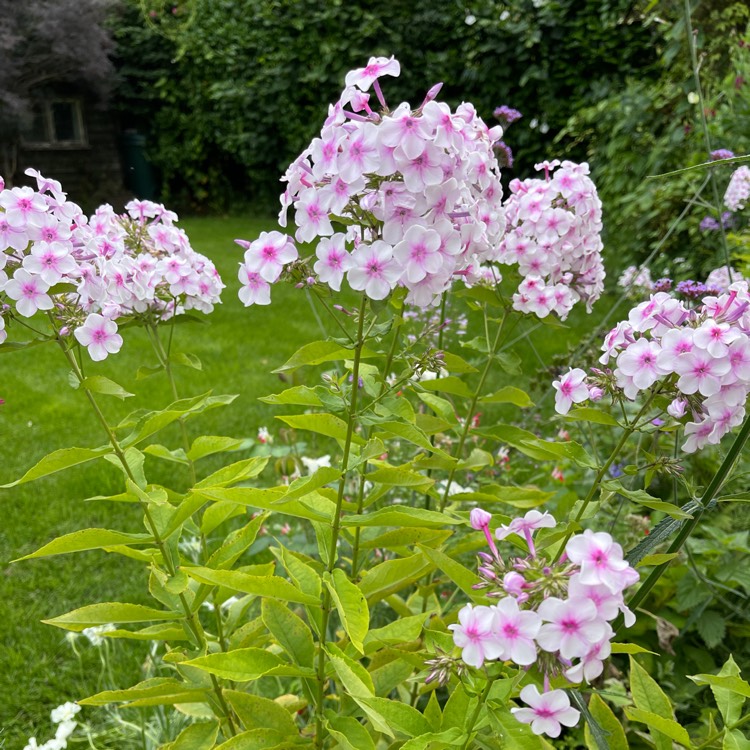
[
  {"x": 160, "y": 632},
  {"x": 587, "y": 414},
  {"x": 87, "y": 539},
  {"x": 411, "y": 434},
  {"x": 399, "y": 476},
  {"x": 729, "y": 701},
  {"x": 643, "y": 498},
  {"x": 99, "y": 384},
  {"x": 176, "y": 456},
  {"x": 401, "y": 630},
  {"x": 348, "y": 732},
  {"x": 608, "y": 723},
  {"x": 261, "y": 713},
  {"x": 402, "y": 517},
  {"x": 400, "y": 716},
  {"x": 650, "y": 699},
  {"x": 271, "y": 586},
  {"x": 450, "y": 738},
  {"x": 290, "y": 631},
  {"x": 314, "y": 507},
  {"x": 508, "y": 395},
  {"x": 318, "y": 352},
  {"x": 323, "y": 424},
  {"x": 239, "y": 471},
  {"x": 101, "y": 614},
  {"x": 59, "y": 460},
  {"x": 185, "y": 408},
  {"x": 393, "y": 575},
  {"x": 305, "y": 485},
  {"x": 208, "y": 445},
  {"x": 298, "y": 395},
  {"x": 351, "y": 605},
  {"x": 235, "y": 544},
  {"x": 464, "y": 578},
  {"x": 187, "y": 360},
  {"x": 158, "y": 691},
  {"x": 730, "y": 682},
  {"x": 659, "y": 724},
  {"x": 257, "y": 739},
  {"x": 245, "y": 664},
  {"x": 451, "y": 384},
  {"x": 200, "y": 736}
]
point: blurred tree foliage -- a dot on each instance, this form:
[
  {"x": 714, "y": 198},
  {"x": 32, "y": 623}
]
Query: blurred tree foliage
[{"x": 230, "y": 91}]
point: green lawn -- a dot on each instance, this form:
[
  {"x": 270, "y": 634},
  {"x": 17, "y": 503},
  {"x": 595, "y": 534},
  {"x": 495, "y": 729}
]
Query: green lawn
[{"x": 238, "y": 348}]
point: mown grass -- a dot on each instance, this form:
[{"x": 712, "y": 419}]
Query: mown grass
[{"x": 238, "y": 348}]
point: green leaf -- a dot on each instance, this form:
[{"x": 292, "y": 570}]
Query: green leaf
[
  {"x": 87, "y": 539},
  {"x": 454, "y": 363},
  {"x": 450, "y": 738},
  {"x": 146, "y": 372},
  {"x": 298, "y": 395},
  {"x": 245, "y": 664},
  {"x": 99, "y": 384},
  {"x": 400, "y": 716},
  {"x": 393, "y": 575},
  {"x": 322, "y": 424},
  {"x": 587, "y": 414},
  {"x": 101, "y": 614},
  {"x": 235, "y": 544},
  {"x": 643, "y": 498},
  {"x": 464, "y": 578},
  {"x": 207, "y": 445},
  {"x": 712, "y": 627},
  {"x": 402, "y": 516},
  {"x": 187, "y": 360},
  {"x": 451, "y": 384},
  {"x": 659, "y": 724},
  {"x": 409, "y": 433},
  {"x": 608, "y": 722},
  {"x": 314, "y": 507},
  {"x": 240, "y": 471},
  {"x": 261, "y": 713},
  {"x": 658, "y": 559},
  {"x": 158, "y": 691},
  {"x": 398, "y": 476},
  {"x": 290, "y": 631},
  {"x": 348, "y": 732},
  {"x": 161, "y": 451},
  {"x": 315, "y": 353},
  {"x": 735, "y": 740},
  {"x": 729, "y": 702},
  {"x": 59, "y": 460},
  {"x": 200, "y": 736},
  {"x": 513, "y": 734},
  {"x": 732, "y": 683},
  {"x": 508, "y": 395},
  {"x": 630, "y": 648},
  {"x": 271, "y": 586},
  {"x": 651, "y": 699},
  {"x": 256, "y": 739},
  {"x": 351, "y": 605},
  {"x": 134, "y": 460}
]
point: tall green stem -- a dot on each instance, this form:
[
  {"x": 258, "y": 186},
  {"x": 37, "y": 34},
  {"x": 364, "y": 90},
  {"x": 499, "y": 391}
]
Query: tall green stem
[
  {"x": 689, "y": 526},
  {"x": 704, "y": 127},
  {"x": 475, "y": 715},
  {"x": 336, "y": 524},
  {"x": 477, "y": 393},
  {"x": 192, "y": 621}
]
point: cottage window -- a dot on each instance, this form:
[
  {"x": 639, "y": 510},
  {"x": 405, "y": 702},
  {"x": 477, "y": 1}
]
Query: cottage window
[{"x": 57, "y": 123}]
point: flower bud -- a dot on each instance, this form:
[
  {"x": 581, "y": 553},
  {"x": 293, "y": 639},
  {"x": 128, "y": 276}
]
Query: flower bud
[
  {"x": 480, "y": 519},
  {"x": 677, "y": 408}
]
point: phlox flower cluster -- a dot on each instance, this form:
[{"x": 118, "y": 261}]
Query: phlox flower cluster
[
  {"x": 699, "y": 357},
  {"x": 418, "y": 187},
  {"x": 738, "y": 190},
  {"x": 555, "y": 615},
  {"x": 554, "y": 237},
  {"x": 635, "y": 280},
  {"x": 88, "y": 272},
  {"x": 722, "y": 278},
  {"x": 63, "y": 716}
]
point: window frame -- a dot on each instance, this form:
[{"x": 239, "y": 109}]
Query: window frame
[{"x": 46, "y": 110}]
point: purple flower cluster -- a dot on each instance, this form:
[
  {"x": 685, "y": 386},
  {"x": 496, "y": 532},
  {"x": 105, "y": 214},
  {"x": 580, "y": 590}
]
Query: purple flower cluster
[
  {"x": 506, "y": 114},
  {"x": 555, "y": 615},
  {"x": 721, "y": 153},
  {"x": 87, "y": 272}
]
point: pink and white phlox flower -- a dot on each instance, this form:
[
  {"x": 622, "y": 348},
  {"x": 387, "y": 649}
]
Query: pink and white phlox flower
[
  {"x": 547, "y": 711},
  {"x": 374, "y": 270},
  {"x": 639, "y": 363},
  {"x": 255, "y": 289},
  {"x": 571, "y": 627},
  {"x": 700, "y": 372},
  {"x": 418, "y": 253},
  {"x": 600, "y": 559},
  {"x": 515, "y": 630},
  {"x": 99, "y": 335},
  {"x": 269, "y": 254},
  {"x": 591, "y": 664},
  {"x": 376, "y": 67},
  {"x": 570, "y": 389},
  {"x": 333, "y": 260},
  {"x": 29, "y": 291},
  {"x": 474, "y": 634}
]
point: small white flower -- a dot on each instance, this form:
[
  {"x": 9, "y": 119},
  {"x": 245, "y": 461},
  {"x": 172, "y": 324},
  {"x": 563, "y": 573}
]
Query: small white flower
[
  {"x": 470, "y": 20},
  {"x": 693, "y": 98},
  {"x": 95, "y": 634},
  {"x": 65, "y": 712},
  {"x": 313, "y": 464}
]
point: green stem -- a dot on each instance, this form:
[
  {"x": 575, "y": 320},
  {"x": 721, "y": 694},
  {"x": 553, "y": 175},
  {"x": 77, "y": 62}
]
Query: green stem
[
  {"x": 473, "y": 720},
  {"x": 358, "y": 529},
  {"x": 472, "y": 406},
  {"x": 190, "y": 618},
  {"x": 164, "y": 361},
  {"x": 704, "y": 127},
  {"x": 629, "y": 430},
  {"x": 336, "y": 525},
  {"x": 721, "y": 732},
  {"x": 689, "y": 526}
]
